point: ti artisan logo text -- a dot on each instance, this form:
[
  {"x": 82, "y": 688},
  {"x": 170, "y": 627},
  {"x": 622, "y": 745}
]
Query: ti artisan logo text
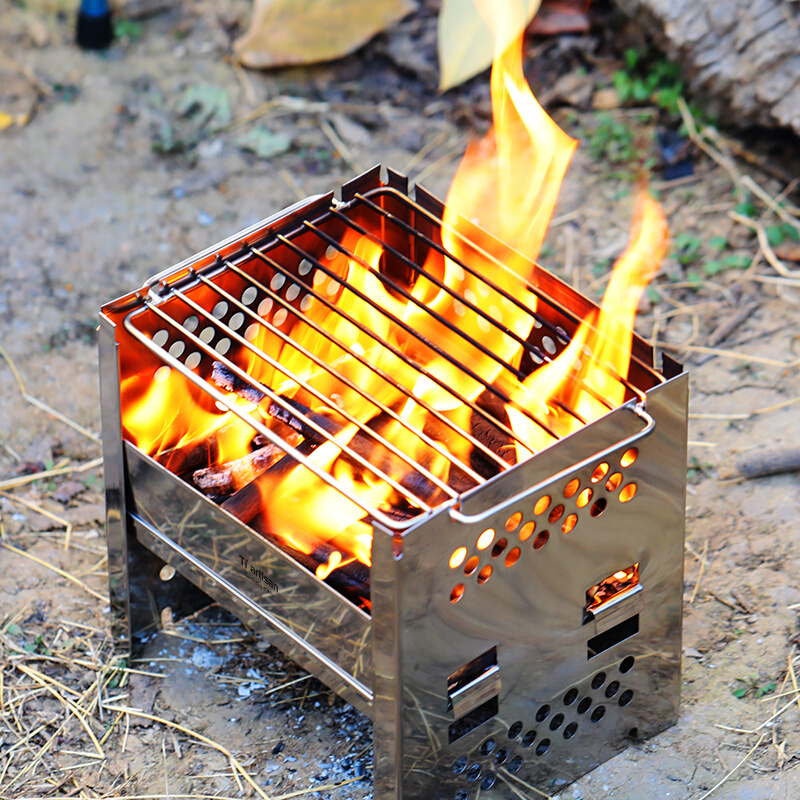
[{"x": 258, "y": 577}]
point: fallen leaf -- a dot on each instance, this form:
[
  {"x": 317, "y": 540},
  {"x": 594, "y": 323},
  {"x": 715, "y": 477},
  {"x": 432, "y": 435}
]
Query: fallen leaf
[
  {"x": 466, "y": 43},
  {"x": 788, "y": 251},
  {"x": 286, "y": 32},
  {"x": 264, "y": 143}
]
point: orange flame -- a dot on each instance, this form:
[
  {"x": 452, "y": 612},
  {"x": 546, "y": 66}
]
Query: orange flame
[{"x": 362, "y": 358}]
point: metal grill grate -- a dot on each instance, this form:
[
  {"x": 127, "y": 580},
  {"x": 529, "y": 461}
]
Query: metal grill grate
[{"x": 250, "y": 306}]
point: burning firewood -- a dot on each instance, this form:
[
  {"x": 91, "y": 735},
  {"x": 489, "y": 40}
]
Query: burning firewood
[
  {"x": 224, "y": 479},
  {"x": 302, "y": 420}
]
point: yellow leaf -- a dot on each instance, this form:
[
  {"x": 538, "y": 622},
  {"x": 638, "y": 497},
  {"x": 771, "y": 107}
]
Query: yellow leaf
[
  {"x": 6, "y": 120},
  {"x": 286, "y": 32},
  {"x": 466, "y": 42}
]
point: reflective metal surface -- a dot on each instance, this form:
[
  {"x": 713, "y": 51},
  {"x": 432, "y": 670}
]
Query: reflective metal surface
[
  {"x": 310, "y": 621},
  {"x": 484, "y": 670},
  {"x": 531, "y": 608}
]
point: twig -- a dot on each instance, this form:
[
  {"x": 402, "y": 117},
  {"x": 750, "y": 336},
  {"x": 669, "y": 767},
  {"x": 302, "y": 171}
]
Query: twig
[
  {"x": 771, "y": 362},
  {"x": 22, "y": 480},
  {"x": 41, "y": 86},
  {"x": 55, "y": 569},
  {"x": 700, "y": 572},
  {"x": 730, "y": 772},
  {"x": 794, "y": 680},
  {"x": 763, "y": 243},
  {"x": 234, "y": 762},
  {"x": 45, "y": 513},
  {"x": 43, "y": 406},
  {"x": 341, "y": 147}
]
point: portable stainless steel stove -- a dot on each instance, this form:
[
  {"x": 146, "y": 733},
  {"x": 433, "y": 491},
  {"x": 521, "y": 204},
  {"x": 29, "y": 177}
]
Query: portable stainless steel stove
[{"x": 518, "y": 629}]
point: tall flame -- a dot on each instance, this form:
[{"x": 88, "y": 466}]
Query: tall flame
[{"x": 412, "y": 365}]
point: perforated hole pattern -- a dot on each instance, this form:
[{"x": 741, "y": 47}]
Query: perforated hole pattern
[
  {"x": 550, "y": 725},
  {"x": 602, "y": 484}
]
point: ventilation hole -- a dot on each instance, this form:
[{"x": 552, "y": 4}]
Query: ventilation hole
[
  {"x": 570, "y": 697},
  {"x": 457, "y": 593},
  {"x": 306, "y": 302},
  {"x": 583, "y": 498},
  {"x": 176, "y": 348},
  {"x": 486, "y": 538},
  {"x": 485, "y": 574},
  {"x": 193, "y": 360},
  {"x": 471, "y": 565},
  {"x": 548, "y": 344},
  {"x": 528, "y": 739},
  {"x": 570, "y": 730},
  {"x": 265, "y": 306},
  {"x": 499, "y": 547},
  {"x": 542, "y": 747},
  {"x": 167, "y": 572},
  {"x": 488, "y": 780},
  {"x": 612, "y": 689},
  {"x": 627, "y": 493},
  {"x": 628, "y": 457},
  {"x": 512, "y": 523},
  {"x": 598, "y": 713},
  {"x": 207, "y": 334},
  {"x": 487, "y": 747},
  {"x": 614, "y": 481},
  {"x": 457, "y": 559},
  {"x": 515, "y": 730},
  {"x": 501, "y": 756},
  {"x": 555, "y": 515},
  {"x": 584, "y": 705},
  {"x": 543, "y": 713},
  {"x": 599, "y": 507},
  {"x": 515, "y": 765},
  {"x": 249, "y": 295},
  {"x": 600, "y": 471},
  {"x": 541, "y": 540},
  {"x": 220, "y": 309},
  {"x": 333, "y": 287},
  {"x": 191, "y": 323},
  {"x": 278, "y": 279},
  {"x": 626, "y": 697},
  {"x": 280, "y": 317},
  {"x": 459, "y": 765},
  {"x": 627, "y": 664},
  {"x": 331, "y": 252},
  {"x": 571, "y": 488},
  {"x": 293, "y": 292},
  {"x": 526, "y": 531},
  {"x": 598, "y": 680},
  {"x": 542, "y": 504},
  {"x": 512, "y": 556},
  {"x": 304, "y": 267},
  {"x": 474, "y": 772},
  {"x": 236, "y": 321},
  {"x": 251, "y": 331},
  {"x": 556, "y": 722},
  {"x": 319, "y": 277},
  {"x": 569, "y": 523},
  {"x": 222, "y": 346},
  {"x": 160, "y": 338}
]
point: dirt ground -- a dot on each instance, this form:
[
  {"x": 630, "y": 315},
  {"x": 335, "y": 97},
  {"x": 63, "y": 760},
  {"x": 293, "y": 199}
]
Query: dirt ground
[{"x": 128, "y": 162}]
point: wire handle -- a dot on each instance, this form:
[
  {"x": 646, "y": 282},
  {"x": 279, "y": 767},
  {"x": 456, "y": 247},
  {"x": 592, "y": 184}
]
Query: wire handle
[{"x": 638, "y": 410}]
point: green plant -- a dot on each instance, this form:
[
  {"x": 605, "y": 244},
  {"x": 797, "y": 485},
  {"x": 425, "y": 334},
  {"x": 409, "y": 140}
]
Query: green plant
[
  {"x": 687, "y": 248},
  {"x": 753, "y": 688},
  {"x": 612, "y": 141},
  {"x": 126, "y": 30},
  {"x": 646, "y": 80}
]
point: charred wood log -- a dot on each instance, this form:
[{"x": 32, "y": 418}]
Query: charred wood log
[{"x": 226, "y": 478}]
